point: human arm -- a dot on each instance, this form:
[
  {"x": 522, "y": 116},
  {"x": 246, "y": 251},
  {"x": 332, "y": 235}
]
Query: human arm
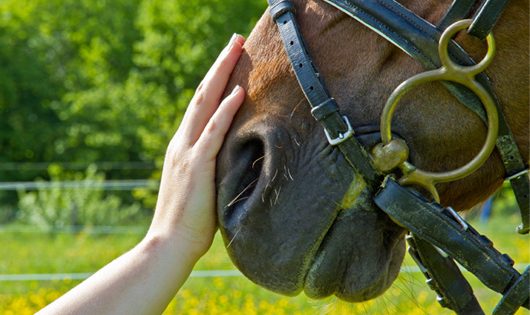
[{"x": 143, "y": 280}]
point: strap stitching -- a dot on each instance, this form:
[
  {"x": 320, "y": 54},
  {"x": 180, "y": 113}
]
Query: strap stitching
[{"x": 384, "y": 26}]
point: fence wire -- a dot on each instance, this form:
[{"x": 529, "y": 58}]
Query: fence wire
[
  {"x": 194, "y": 274},
  {"x": 120, "y": 185}
]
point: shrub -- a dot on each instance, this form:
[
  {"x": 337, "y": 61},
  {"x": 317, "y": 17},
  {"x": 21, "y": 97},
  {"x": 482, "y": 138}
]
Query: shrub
[{"x": 56, "y": 207}]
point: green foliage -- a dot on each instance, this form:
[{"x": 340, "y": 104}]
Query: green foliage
[
  {"x": 95, "y": 80},
  {"x": 57, "y": 207},
  {"x": 504, "y": 203},
  {"x": 49, "y": 49}
]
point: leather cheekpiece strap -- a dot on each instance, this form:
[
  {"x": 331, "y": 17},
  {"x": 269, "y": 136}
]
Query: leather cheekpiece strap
[
  {"x": 279, "y": 7},
  {"x": 458, "y": 10},
  {"x": 325, "y": 109},
  {"x": 444, "y": 277},
  {"x": 486, "y": 17}
]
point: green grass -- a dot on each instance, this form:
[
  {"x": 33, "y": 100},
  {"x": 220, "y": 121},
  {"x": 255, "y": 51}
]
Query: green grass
[{"x": 29, "y": 252}]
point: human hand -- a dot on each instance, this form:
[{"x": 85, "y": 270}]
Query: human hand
[
  {"x": 185, "y": 210},
  {"x": 146, "y": 278}
]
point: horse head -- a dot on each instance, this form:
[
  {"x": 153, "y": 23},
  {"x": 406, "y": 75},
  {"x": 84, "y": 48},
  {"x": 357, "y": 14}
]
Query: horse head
[{"x": 293, "y": 214}]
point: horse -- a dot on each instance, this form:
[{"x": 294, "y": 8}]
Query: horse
[{"x": 293, "y": 215}]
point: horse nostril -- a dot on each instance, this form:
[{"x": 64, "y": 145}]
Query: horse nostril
[{"x": 250, "y": 158}]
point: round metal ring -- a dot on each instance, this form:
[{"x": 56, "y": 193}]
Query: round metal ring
[
  {"x": 448, "y": 72},
  {"x": 445, "y": 58}
]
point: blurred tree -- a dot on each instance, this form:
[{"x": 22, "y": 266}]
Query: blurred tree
[
  {"x": 180, "y": 40},
  {"x": 27, "y": 87},
  {"x": 49, "y": 49},
  {"x": 97, "y": 80}
]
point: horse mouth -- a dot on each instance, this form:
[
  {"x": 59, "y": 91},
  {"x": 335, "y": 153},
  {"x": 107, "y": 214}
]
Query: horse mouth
[
  {"x": 340, "y": 263},
  {"x": 344, "y": 267},
  {"x": 287, "y": 234}
]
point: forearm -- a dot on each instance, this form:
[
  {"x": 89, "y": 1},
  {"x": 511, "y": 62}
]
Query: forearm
[{"x": 141, "y": 281}]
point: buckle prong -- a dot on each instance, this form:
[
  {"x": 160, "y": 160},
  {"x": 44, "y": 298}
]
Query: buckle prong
[{"x": 343, "y": 136}]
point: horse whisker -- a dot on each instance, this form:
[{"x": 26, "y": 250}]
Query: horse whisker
[
  {"x": 231, "y": 203},
  {"x": 263, "y": 193},
  {"x": 267, "y": 186},
  {"x": 240, "y": 199},
  {"x": 289, "y": 173},
  {"x": 296, "y": 141},
  {"x": 274, "y": 176},
  {"x": 277, "y": 193},
  {"x": 233, "y": 238},
  {"x": 257, "y": 160},
  {"x": 296, "y": 107}
]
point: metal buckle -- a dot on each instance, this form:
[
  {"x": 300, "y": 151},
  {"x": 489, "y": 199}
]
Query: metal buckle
[
  {"x": 343, "y": 136},
  {"x": 458, "y": 218}
]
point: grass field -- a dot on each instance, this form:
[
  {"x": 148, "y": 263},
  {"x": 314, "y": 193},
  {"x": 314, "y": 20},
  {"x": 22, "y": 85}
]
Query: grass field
[{"x": 30, "y": 252}]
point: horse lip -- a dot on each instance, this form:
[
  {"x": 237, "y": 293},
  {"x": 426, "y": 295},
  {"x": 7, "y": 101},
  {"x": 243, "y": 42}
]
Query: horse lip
[
  {"x": 330, "y": 250},
  {"x": 319, "y": 248},
  {"x": 354, "y": 186}
]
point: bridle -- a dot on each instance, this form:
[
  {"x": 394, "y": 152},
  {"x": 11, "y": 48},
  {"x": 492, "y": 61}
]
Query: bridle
[{"x": 438, "y": 236}]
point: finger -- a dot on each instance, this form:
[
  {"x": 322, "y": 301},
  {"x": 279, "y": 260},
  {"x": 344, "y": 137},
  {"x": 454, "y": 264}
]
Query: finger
[
  {"x": 212, "y": 138},
  {"x": 211, "y": 89}
]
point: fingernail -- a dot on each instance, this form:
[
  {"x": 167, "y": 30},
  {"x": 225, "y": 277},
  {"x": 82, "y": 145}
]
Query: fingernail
[
  {"x": 236, "y": 89},
  {"x": 232, "y": 40}
]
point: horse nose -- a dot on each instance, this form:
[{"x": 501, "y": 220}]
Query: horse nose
[
  {"x": 240, "y": 176},
  {"x": 247, "y": 169}
]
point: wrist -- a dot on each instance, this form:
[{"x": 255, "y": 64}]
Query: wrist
[{"x": 176, "y": 244}]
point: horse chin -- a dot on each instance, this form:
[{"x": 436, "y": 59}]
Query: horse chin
[{"x": 359, "y": 257}]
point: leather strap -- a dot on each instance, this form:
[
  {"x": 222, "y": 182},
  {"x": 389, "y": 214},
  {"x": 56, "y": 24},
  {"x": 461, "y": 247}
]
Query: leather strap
[
  {"x": 459, "y": 10},
  {"x": 520, "y": 186},
  {"x": 324, "y": 107},
  {"x": 444, "y": 277},
  {"x": 486, "y": 17},
  {"x": 517, "y": 174},
  {"x": 416, "y": 37},
  {"x": 443, "y": 228},
  {"x": 515, "y": 296}
]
